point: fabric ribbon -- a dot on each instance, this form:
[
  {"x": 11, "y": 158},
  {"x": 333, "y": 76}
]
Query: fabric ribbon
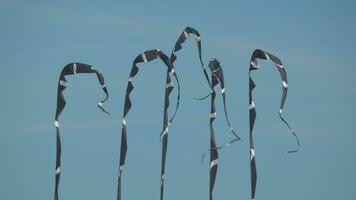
[
  {"x": 217, "y": 77},
  {"x": 71, "y": 69},
  {"x": 260, "y": 54},
  {"x": 146, "y": 57},
  {"x": 164, "y": 135}
]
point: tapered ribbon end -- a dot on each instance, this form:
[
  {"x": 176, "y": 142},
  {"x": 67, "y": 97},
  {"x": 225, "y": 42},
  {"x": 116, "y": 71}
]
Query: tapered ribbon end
[{"x": 100, "y": 106}]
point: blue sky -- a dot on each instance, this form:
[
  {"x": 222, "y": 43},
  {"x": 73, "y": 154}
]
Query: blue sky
[{"x": 314, "y": 39}]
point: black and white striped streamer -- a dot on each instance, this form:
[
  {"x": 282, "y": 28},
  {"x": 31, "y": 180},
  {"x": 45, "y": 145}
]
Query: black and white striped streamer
[
  {"x": 145, "y": 57},
  {"x": 216, "y": 78},
  {"x": 71, "y": 69},
  {"x": 177, "y": 47},
  {"x": 260, "y": 54}
]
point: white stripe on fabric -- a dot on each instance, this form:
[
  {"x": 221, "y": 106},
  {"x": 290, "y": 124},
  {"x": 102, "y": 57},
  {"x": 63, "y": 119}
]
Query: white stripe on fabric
[
  {"x": 213, "y": 163},
  {"x": 267, "y": 56},
  {"x": 143, "y": 55},
  {"x": 56, "y": 123},
  {"x": 285, "y": 84},
  {"x": 74, "y": 68},
  {"x": 58, "y": 170},
  {"x": 280, "y": 66},
  {"x": 251, "y": 106},
  {"x": 213, "y": 115},
  {"x": 165, "y": 131},
  {"x": 172, "y": 71},
  {"x": 186, "y": 34},
  {"x": 252, "y": 153},
  {"x": 255, "y": 65},
  {"x": 63, "y": 83},
  {"x": 170, "y": 84}
]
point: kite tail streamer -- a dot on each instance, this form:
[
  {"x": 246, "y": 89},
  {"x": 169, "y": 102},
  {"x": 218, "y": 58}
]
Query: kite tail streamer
[
  {"x": 252, "y": 114},
  {"x": 164, "y": 134},
  {"x": 260, "y": 54},
  {"x": 147, "y": 56},
  {"x": 178, "y": 46},
  {"x": 168, "y": 89},
  {"x": 216, "y": 78},
  {"x": 213, "y": 148},
  {"x": 283, "y": 74},
  {"x": 218, "y": 74},
  {"x": 71, "y": 69}
]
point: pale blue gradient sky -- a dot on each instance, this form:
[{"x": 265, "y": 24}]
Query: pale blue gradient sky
[{"x": 314, "y": 39}]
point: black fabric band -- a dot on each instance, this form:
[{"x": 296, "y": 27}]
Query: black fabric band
[
  {"x": 147, "y": 56},
  {"x": 71, "y": 69},
  {"x": 260, "y": 54}
]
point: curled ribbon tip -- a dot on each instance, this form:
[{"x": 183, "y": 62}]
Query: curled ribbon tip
[
  {"x": 219, "y": 148},
  {"x": 102, "y": 108},
  {"x": 202, "y": 98},
  {"x": 237, "y": 138},
  {"x": 293, "y": 133}
]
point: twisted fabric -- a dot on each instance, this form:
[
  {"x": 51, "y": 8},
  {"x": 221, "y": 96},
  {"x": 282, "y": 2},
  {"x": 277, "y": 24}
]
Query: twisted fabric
[
  {"x": 164, "y": 135},
  {"x": 218, "y": 73},
  {"x": 178, "y": 46},
  {"x": 260, "y": 54},
  {"x": 147, "y": 56},
  {"x": 71, "y": 69},
  {"x": 216, "y": 78},
  {"x": 213, "y": 148}
]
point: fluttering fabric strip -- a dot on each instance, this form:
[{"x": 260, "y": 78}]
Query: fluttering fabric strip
[
  {"x": 178, "y": 46},
  {"x": 217, "y": 77},
  {"x": 147, "y": 56},
  {"x": 260, "y": 54},
  {"x": 217, "y": 71},
  {"x": 168, "y": 89},
  {"x": 71, "y": 69}
]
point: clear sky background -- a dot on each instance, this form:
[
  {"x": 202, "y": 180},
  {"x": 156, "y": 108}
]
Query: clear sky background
[{"x": 314, "y": 39}]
